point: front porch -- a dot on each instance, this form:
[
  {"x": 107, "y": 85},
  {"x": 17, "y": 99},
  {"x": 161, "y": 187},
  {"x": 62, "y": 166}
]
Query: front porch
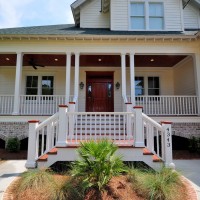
[{"x": 155, "y": 82}]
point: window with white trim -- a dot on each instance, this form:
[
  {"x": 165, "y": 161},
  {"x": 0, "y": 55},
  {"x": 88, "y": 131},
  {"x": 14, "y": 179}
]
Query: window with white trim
[
  {"x": 139, "y": 85},
  {"x": 146, "y": 16},
  {"x": 137, "y": 16},
  {"x": 153, "y": 86},
  {"x": 39, "y": 85}
]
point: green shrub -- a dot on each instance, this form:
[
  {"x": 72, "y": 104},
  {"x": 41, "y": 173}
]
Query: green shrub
[
  {"x": 155, "y": 185},
  {"x": 13, "y": 144},
  {"x": 98, "y": 163}
]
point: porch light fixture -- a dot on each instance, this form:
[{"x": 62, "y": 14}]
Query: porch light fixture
[
  {"x": 117, "y": 85},
  {"x": 99, "y": 59},
  {"x": 81, "y": 85},
  {"x": 56, "y": 59},
  {"x": 152, "y": 60},
  {"x": 7, "y": 59}
]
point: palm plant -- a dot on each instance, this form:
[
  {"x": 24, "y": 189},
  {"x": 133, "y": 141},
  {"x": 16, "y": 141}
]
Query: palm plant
[{"x": 98, "y": 163}]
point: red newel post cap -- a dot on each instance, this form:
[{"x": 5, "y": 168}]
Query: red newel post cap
[
  {"x": 33, "y": 121},
  {"x": 62, "y": 106},
  {"x": 72, "y": 102},
  {"x": 166, "y": 122},
  {"x": 138, "y": 107}
]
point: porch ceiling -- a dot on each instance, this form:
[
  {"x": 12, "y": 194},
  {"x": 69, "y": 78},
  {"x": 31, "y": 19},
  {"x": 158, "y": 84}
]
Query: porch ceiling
[{"x": 93, "y": 60}]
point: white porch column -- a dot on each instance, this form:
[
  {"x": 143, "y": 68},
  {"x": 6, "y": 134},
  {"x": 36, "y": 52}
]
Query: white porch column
[
  {"x": 18, "y": 78},
  {"x": 132, "y": 78},
  {"x": 76, "y": 79},
  {"x": 123, "y": 68},
  {"x": 68, "y": 75}
]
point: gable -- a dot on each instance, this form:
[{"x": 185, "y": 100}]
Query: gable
[{"x": 77, "y": 5}]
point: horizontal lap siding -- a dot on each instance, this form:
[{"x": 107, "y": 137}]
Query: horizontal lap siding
[
  {"x": 191, "y": 17},
  {"x": 173, "y": 15},
  {"x": 91, "y": 17},
  {"x": 7, "y": 81},
  {"x": 184, "y": 80},
  {"x": 119, "y": 15}
]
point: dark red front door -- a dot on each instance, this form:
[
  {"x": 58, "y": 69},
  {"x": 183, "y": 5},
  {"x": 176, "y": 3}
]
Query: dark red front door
[{"x": 99, "y": 94}]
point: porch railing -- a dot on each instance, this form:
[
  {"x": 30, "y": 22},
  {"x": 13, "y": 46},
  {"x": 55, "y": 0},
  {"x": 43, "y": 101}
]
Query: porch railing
[
  {"x": 6, "y": 104},
  {"x": 168, "y": 105},
  {"x": 83, "y": 126},
  {"x": 41, "y": 104}
]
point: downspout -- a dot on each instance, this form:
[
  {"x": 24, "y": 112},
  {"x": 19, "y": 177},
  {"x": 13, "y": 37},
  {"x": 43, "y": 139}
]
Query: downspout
[
  {"x": 186, "y": 4},
  {"x": 101, "y": 6}
]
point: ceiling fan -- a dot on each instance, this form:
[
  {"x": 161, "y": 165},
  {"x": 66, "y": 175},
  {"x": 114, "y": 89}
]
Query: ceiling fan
[{"x": 34, "y": 63}]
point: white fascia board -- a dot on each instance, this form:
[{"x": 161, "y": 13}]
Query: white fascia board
[{"x": 195, "y": 3}]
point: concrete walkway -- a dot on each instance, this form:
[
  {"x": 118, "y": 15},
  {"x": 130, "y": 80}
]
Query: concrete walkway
[
  {"x": 191, "y": 170},
  {"x": 9, "y": 170}
]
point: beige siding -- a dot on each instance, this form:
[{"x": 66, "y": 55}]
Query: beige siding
[
  {"x": 7, "y": 80},
  {"x": 191, "y": 17},
  {"x": 173, "y": 15},
  {"x": 184, "y": 82},
  {"x": 165, "y": 75},
  {"x": 119, "y": 15},
  {"x": 91, "y": 17}
]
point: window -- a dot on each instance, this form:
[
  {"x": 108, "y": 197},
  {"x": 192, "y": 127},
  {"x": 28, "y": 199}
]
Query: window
[
  {"x": 31, "y": 85},
  {"x": 156, "y": 21},
  {"x": 139, "y": 86},
  {"x": 146, "y": 16},
  {"x": 39, "y": 85},
  {"x": 47, "y": 85},
  {"x": 137, "y": 16},
  {"x": 153, "y": 86}
]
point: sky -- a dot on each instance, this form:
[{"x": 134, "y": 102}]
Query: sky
[{"x": 20, "y": 13}]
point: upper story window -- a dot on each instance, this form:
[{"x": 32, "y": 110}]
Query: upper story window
[{"x": 146, "y": 16}]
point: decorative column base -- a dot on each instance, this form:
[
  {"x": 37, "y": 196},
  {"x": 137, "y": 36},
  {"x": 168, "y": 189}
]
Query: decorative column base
[{"x": 30, "y": 165}]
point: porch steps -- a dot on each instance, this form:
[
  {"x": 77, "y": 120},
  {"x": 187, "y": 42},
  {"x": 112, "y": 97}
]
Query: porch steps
[{"x": 128, "y": 152}]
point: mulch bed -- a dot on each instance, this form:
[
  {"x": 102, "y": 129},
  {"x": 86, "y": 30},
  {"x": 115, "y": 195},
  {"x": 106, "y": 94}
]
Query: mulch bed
[
  {"x": 185, "y": 155},
  {"x": 5, "y": 155}
]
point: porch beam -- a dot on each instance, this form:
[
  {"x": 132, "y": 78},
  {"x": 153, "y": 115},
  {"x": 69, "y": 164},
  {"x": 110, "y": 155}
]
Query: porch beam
[
  {"x": 132, "y": 77},
  {"x": 18, "y": 78},
  {"x": 76, "y": 79},
  {"x": 68, "y": 76},
  {"x": 123, "y": 69}
]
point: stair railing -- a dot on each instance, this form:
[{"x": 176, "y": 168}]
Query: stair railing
[
  {"x": 42, "y": 138},
  {"x": 158, "y": 139}
]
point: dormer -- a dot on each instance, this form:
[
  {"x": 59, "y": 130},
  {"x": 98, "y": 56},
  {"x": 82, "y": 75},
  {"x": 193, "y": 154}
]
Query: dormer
[
  {"x": 91, "y": 13},
  {"x": 137, "y": 15}
]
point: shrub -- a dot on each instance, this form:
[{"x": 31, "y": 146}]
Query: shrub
[
  {"x": 98, "y": 163},
  {"x": 156, "y": 185},
  {"x": 13, "y": 144}
]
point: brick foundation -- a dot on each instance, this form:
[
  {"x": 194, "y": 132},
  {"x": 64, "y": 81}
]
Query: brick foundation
[
  {"x": 186, "y": 130},
  {"x": 13, "y": 129}
]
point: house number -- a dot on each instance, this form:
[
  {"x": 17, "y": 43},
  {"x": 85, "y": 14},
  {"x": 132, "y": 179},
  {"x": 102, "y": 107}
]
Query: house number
[{"x": 168, "y": 138}]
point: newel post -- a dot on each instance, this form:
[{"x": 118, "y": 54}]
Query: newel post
[
  {"x": 138, "y": 127},
  {"x": 72, "y": 108},
  {"x": 129, "y": 129},
  {"x": 167, "y": 142},
  {"x": 62, "y": 131},
  {"x": 31, "y": 162}
]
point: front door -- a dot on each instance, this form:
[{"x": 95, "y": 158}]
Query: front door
[{"x": 99, "y": 94}]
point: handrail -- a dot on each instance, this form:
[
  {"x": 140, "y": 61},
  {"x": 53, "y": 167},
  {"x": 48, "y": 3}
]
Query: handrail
[
  {"x": 153, "y": 122},
  {"x": 47, "y": 121}
]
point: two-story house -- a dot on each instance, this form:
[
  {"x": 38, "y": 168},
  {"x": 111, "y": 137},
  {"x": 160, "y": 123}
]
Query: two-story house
[{"x": 119, "y": 54}]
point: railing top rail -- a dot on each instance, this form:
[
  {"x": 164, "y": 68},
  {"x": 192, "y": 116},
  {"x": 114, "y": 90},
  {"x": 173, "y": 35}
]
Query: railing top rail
[
  {"x": 164, "y": 96},
  {"x": 7, "y": 95},
  {"x": 156, "y": 124},
  {"x": 47, "y": 121},
  {"x": 98, "y": 113},
  {"x": 42, "y": 95}
]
